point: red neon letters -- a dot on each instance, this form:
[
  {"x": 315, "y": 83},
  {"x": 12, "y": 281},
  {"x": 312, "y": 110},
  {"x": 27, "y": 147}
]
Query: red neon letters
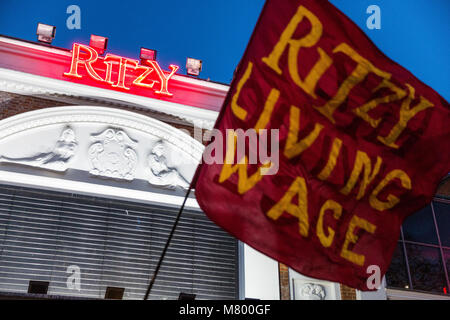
[
  {"x": 76, "y": 60},
  {"x": 123, "y": 67},
  {"x": 123, "y": 64}
]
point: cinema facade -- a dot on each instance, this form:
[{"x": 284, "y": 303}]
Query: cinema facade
[{"x": 95, "y": 159}]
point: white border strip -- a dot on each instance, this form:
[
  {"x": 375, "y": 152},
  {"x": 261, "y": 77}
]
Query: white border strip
[{"x": 86, "y": 188}]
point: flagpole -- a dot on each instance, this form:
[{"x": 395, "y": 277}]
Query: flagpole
[{"x": 172, "y": 232}]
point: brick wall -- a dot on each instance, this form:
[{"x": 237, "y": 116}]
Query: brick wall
[
  {"x": 283, "y": 272},
  {"x": 12, "y": 104},
  {"x": 347, "y": 293}
]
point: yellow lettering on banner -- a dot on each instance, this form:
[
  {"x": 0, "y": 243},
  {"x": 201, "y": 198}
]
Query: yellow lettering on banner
[
  {"x": 332, "y": 159},
  {"x": 245, "y": 183},
  {"x": 268, "y": 109},
  {"x": 406, "y": 114},
  {"x": 391, "y": 199},
  {"x": 238, "y": 111},
  {"x": 362, "y": 160},
  {"x": 300, "y": 210},
  {"x": 363, "y": 68},
  {"x": 324, "y": 62},
  {"x": 294, "y": 147},
  {"x": 350, "y": 237},
  {"x": 363, "y": 111},
  {"x": 325, "y": 240}
]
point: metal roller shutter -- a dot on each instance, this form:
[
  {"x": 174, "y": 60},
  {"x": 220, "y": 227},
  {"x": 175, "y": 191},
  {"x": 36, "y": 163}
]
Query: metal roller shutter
[{"x": 114, "y": 243}]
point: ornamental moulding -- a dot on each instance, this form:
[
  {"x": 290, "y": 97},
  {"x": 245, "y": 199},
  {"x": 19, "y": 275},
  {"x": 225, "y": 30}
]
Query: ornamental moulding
[
  {"x": 105, "y": 142},
  {"x": 29, "y": 84},
  {"x": 106, "y": 116}
]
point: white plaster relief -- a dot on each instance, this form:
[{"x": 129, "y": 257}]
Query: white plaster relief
[
  {"x": 161, "y": 173},
  {"x": 312, "y": 291},
  {"x": 132, "y": 160},
  {"x": 112, "y": 155},
  {"x": 102, "y": 115},
  {"x": 56, "y": 160}
]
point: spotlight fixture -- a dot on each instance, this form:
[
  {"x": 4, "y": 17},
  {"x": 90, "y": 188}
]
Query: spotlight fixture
[
  {"x": 193, "y": 66},
  {"x": 147, "y": 54},
  {"x": 98, "y": 43},
  {"x": 45, "y": 33}
]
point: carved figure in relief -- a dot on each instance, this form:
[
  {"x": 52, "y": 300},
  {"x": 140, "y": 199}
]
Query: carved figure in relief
[
  {"x": 57, "y": 159},
  {"x": 312, "y": 291},
  {"x": 161, "y": 174}
]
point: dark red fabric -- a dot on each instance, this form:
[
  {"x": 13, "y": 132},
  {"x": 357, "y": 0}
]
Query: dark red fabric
[{"x": 424, "y": 152}]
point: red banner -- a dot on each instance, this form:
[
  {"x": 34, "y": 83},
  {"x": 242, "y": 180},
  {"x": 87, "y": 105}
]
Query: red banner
[{"x": 362, "y": 145}]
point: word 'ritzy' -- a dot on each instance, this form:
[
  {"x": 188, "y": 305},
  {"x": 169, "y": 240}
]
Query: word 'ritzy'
[{"x": 146, "y": 76}]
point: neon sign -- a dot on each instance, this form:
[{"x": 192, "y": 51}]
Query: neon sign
[{"x": 120, "y": 72}]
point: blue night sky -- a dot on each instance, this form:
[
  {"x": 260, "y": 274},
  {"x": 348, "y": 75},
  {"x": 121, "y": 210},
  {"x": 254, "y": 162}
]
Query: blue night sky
[{"x": 414, "y": 33}]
